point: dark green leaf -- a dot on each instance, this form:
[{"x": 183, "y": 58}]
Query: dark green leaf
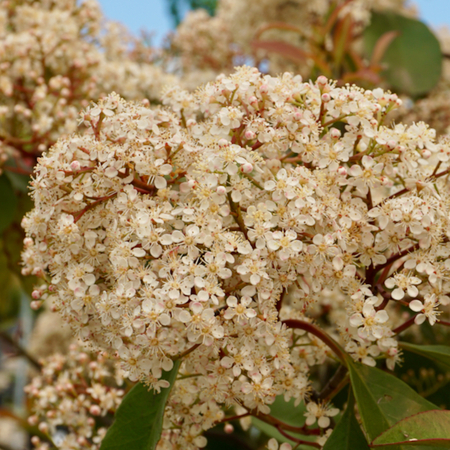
[
  {"x": 8, "y": 203},
  {"x": 383, "y": 400},
  {"x": 438, "y": 353},
  {"x": 138, "y": 420},
  {"x": 430, "y": 429},
  {"x": 413, "y": 59},
  {"x": 19, "y": 182},
  {"x": 347, "y": 434}
]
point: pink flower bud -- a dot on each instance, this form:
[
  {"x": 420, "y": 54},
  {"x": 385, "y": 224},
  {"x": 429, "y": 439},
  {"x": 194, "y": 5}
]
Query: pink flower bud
[
  {"x": 27, "y": 242},
  {"x": 35, "y": 305},
  {"x": 75, "y": 165},
  {"x": 342, "y": 171},
  {"x": 36, "y": 294},
  {"x": 335, "y": 133},
  {"x": 95, "y": 410},
  {"x": 326, "y": 97},
  {"x": 249, "y": 135},
  {"x": 228, "y": 428},
  {"x": 43, "y": 427},
  {"x": 33, "y": 420},
  {"x": 246, "y": 168},
  {"x": 426, "y": 153},
  {"x": 322, "y": 81},
  {"x": 221, "y": 190}
]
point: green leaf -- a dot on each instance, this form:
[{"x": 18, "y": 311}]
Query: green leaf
[
  {"x": 383, "y": 400},
  {"x": 347, "y": 434},
  {"x": 8, "y": 203},
  {"x": 438, "y": 353},
  {"x": 139, "y": 418},
  {"x": 431, "y": 428},
  {"x": 19, "y": 182},
  {"x": 413, "y": 59}
]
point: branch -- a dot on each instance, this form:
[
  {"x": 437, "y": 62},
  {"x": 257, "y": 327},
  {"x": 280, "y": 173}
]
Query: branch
[
  {"x": 404, "y": 326},
  {"x": 397, "y": 256},
  {"x": 19, "y": 349},
  {"x": 277, "y": 423},
  {"x": 186, "y": 352},
  {"x": 298, "y": 441},
  {"x": 316, "y": 331},
  {"x": 334, "y": 383}
]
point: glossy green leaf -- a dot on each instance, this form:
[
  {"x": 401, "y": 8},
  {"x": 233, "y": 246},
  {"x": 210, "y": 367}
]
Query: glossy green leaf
[
  {"x": 139, "y": 418},
  {"x": 438, "y": 353},
  {"x": 8, "y": 203},
  {"x": 347, "y": 434},
  {"x": 383, "y": 400},
  {"x": 414, "y": 57},
  {"x": 430, "y": 429}
]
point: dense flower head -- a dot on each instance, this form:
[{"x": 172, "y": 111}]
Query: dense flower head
[
  {"x": 55, "y": 57},
  {"x": 196, "y": 229}
]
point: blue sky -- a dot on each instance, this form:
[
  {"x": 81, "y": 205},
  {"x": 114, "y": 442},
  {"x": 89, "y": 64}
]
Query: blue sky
[{"x": 152, "y": 15}]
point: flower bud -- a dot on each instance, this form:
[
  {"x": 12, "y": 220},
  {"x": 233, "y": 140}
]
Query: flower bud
[
  {"x": 342, "y": 171},
  {"x": 33, "y": 420},
  {"x": 249, "y": 135},
  {"x": 221, "y": 190},
  {"x": 36, "y": 294},
  {"x": 228, "y": 428},
  {"x": 335, "y": 133},
  {"x": 43, "y": 427},
  {"x": 95, "y": 410},
  {"x": 35, "y": 305},
  {"x": 322, "y": 81},
  {"x": 246, "y": 168},
  {"x": 75, "y": 166}
]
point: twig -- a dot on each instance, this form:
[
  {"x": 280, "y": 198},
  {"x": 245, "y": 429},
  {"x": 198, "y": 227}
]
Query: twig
[
  {"x": 19, "y": 349},
  {"x": 406, "y": 325},
  {"x": 316, "y": 331},
  {"x": 333, "y": 383},
  {"x": 186, "y": 352},
  {"x": 298, "y": 441}
]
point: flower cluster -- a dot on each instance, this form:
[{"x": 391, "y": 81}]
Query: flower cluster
[
  {"x": 212, "y": 232},
  {"x": 55, "y": 57},
  {"x": 205, "y": 47},
  {"x": 74, "y": 399}
]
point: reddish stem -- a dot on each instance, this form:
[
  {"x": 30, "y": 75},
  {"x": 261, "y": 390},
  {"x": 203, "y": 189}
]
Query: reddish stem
[
  {"x": 297, "y": 440},
  {"x": 316, "y": 331},
  {"x": 17, "y": 170},
  {"x": 405, "y": 326},
  {"x": 230, "y": 419}
]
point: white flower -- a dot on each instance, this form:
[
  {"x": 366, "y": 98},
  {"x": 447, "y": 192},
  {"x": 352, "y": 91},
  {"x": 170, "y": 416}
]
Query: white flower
[
  {"x": 321, "y": 413},
  {"x": 427, "y": 309},
  {"x": 404, "y": 283}
]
